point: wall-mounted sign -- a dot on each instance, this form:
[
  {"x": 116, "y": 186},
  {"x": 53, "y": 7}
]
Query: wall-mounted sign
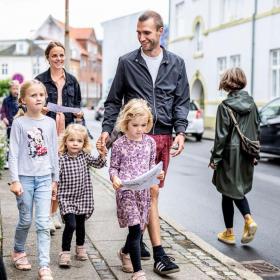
[{"x": 19, "y": 77}]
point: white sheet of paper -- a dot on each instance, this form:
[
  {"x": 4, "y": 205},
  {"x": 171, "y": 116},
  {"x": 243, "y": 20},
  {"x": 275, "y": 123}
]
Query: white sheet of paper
[
  {"x": 62, "y": 109},
  {"x": 145, "y": 181}
]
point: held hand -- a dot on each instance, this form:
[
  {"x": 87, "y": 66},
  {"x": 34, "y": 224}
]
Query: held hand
[
  {"x": 16, "y": 188},
  {"x": 79, "y": 115},
  {"x": 161, "y": 175},
  {"x": 103, "y": 138},
  {"x": 212, "y": 165},
  {"x": 178, "y": 145},
  {"x": 45, "y": 110},
  {"x": 116, "y": 182},
  {"x": 54, "y": 190},
  {"x": 101, "y": 150}
]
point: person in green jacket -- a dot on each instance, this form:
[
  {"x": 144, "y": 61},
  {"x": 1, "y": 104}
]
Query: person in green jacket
[{"x": 233, "y": 169}]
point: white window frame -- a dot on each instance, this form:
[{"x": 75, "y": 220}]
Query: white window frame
[
  {"x": 231, "y": 10},
  {"x": 235, "y": 60},
  {"x": 221, "y": 67},
  {"x": 4, "y": 69},
  {"x": 179, "y": 19},
  {"x": 275, "y": 72}
]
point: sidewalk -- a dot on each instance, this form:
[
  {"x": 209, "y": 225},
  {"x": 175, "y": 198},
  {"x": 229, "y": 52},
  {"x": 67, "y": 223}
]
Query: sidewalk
[{"x": 197, "y": 260}]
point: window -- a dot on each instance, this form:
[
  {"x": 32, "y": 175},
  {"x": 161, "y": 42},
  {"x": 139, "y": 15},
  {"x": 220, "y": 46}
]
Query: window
[
  {"x": 270, "y": 111},
  {"x": 198, "y": 37},
  {"x": 179, "y": 19},
  {"x": 275, "y": 72},
  {"x": 235, "y": 60},
  {"x": 4, "y": 69},
  {"x": 36, "y": 67},
  {"x": 276, "y": 3},
  {"x": 231, "y": 10},
  {"x": 222, "y": 66}
]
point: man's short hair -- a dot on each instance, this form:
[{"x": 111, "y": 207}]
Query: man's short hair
[{"x": 152, "y": 14}]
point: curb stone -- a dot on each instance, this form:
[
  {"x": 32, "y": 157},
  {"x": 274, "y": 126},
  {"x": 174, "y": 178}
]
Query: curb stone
[{"x": 204, "y": 256}]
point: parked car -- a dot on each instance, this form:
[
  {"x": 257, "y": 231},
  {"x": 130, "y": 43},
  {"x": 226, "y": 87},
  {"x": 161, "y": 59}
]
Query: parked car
[
  {"x": 270, "y": 127},
  {"x": 196, "y": 122},
  {"x": 99, "y": 110}
]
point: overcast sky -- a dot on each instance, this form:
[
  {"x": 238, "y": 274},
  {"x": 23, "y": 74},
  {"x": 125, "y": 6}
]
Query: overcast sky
[{"x": 19, "y": 17}]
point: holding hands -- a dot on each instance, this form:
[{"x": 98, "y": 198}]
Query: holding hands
[{"x": 102, "y": 150}]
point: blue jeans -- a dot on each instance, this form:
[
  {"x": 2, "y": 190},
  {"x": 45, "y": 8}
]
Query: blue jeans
[{"x": 36, "y": 189}]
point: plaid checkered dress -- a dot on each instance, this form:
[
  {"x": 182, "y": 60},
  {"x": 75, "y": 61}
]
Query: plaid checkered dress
[{"x": 75, "y": 186}]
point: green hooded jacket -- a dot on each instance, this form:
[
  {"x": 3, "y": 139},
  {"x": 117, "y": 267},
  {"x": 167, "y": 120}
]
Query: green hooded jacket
[{"x": 233, "y": 176}]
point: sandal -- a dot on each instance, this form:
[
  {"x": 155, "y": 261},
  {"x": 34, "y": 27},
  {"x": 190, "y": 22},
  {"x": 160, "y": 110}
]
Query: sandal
[
  {"x": 21, "y": 262},
  {"x": 45, "y": 273}
]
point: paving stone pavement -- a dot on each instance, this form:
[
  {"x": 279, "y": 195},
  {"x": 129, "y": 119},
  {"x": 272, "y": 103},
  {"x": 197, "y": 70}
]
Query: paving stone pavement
[{"x": 104, "y": 238}]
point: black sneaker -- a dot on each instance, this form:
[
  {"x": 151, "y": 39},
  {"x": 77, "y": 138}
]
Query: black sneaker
[
  {"x": 145, "y": 254},
  {"x": 164, "y": 265}
]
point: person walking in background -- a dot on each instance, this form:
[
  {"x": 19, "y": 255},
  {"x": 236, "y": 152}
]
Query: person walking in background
[
  {"x": 9, "y": 109},
  {"x": 233, "y": 169},
  {"x": 132, "y": 155},
  {"x": 63, "y": 89},
  {"x": 159, "y": 77},
  {"x": 75, "y": 196},
  {"x": 10, "y": 106},
  {"x": 33, "y": 161}
]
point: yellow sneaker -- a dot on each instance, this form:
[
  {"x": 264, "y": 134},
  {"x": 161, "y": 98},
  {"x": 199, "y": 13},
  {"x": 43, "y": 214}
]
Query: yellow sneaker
[
  {"x": 249, "y": 232},
  {"x": 226, "y": 238}
]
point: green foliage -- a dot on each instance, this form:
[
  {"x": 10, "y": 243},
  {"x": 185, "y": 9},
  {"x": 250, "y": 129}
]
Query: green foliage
[
  {"x": 4, "y": 87},
  {"x": 3, "y": 146}
]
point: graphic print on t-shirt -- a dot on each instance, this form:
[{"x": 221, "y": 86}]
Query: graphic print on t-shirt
[{"x": 36, "y": 142}]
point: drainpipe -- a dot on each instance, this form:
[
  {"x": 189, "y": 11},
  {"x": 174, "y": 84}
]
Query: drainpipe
[
  {"x": 253, "y": 46},
  {"x": 66, "y": 37}
]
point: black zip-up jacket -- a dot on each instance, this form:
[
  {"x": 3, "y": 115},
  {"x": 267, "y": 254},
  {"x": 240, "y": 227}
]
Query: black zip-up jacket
[
  {"x": 71, "y": 93},
  {"x": 168, "y": 99}
]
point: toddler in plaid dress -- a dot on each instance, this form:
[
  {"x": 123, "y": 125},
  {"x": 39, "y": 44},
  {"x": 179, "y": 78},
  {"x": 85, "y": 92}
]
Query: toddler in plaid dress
[
  {"x": 75, "y": 196},
  {"x": 132, "y": 155}
]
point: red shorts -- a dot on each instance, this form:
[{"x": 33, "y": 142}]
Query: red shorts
[{"x": 164, "y": 143}]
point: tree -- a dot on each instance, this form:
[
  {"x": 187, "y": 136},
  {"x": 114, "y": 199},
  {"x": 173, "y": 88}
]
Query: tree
[{"x": 4, "y": 87}]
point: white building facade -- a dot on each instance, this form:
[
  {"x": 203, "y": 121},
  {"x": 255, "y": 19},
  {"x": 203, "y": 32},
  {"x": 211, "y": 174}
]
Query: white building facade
[
  {"x": 120, "y": 37},
  {"x": 213, "y": 35}
]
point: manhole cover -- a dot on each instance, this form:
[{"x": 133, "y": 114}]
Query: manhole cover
[{"x": 262, "y": 268}]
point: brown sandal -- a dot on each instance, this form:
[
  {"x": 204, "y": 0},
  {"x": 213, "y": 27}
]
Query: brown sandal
[{"x": 21, "y": 262}]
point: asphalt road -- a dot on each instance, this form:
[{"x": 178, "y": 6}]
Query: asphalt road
[{"x": 190, "y": 199}]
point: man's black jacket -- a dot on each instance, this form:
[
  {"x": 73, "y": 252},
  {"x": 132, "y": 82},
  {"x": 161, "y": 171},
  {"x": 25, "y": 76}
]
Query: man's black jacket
[
  {"x": 168, "y": 99},
  {"x": 71, "y": 93}
]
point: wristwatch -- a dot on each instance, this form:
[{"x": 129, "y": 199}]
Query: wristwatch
[{"x": 181, "y": 133}]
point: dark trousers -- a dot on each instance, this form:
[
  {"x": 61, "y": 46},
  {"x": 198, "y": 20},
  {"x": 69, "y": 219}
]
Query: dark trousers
[
  {"x": 228, "y": 209},
  {"x": 132, "y": 246},
  {"x": 73, "y": 222}
]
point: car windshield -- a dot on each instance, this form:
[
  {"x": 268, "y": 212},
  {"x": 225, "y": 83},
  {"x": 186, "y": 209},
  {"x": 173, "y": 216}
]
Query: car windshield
[{"x": 271, "y": 110}]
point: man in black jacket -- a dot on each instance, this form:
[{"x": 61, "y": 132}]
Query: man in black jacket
[{"x": 159, "y": 77}]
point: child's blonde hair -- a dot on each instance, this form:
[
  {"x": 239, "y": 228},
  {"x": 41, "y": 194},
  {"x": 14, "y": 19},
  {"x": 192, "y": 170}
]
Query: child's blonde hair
[
  {"x": 22, "y": 93},
  {"x": 233, "y": 79},
  {"x": 75, "y": 129},
  {"x": 134, "y": 108}
]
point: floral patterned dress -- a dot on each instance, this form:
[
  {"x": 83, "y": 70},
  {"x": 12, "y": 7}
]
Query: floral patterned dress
[{"x": 130, "y": 159}]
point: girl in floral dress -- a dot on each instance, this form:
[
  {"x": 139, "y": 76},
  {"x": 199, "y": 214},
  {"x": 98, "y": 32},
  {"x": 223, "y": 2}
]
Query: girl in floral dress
[{"x": 132, "y": 155}]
